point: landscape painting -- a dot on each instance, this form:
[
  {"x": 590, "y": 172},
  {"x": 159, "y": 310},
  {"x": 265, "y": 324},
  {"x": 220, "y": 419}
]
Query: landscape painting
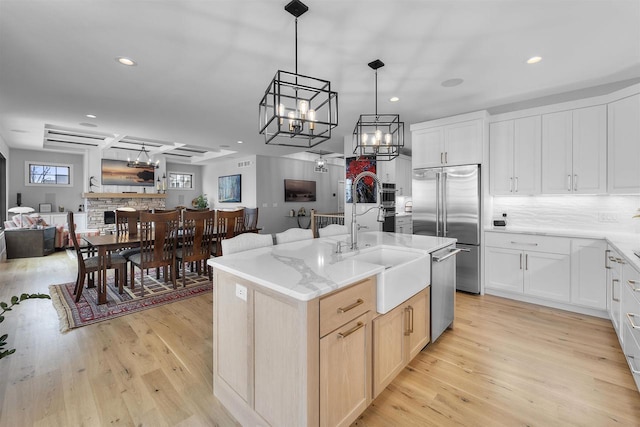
[
  {"x": 116, "y": 172},
  {"x": 229, "y": 189},
  {"x": 297, "y": 190}
]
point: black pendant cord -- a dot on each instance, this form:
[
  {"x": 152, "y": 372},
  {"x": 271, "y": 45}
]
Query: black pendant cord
[
  {"x": 296, "y": 47},
  {"x": 376, "y": 94}
]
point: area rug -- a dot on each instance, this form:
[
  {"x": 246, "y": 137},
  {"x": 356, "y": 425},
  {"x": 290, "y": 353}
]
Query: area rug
[{"x": 156, "y": 293}]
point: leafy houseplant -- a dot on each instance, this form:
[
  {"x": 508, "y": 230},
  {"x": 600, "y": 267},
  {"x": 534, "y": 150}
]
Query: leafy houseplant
[
  {"x": 201, "y": 202},
  {"x": 6, "y": 307}
]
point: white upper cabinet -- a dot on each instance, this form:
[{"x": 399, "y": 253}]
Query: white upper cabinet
[
  {"x": 574, "y": 156},
  {"x": 624, "y": 145},
  {"x": 448, "y": 145},
  {"x": 514, "y": 156}
]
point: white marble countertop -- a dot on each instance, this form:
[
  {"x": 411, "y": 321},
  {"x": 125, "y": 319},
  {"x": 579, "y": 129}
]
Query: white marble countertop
[
  {"x": 310, "y": 268},
  {"x": 624, "y": 243}
]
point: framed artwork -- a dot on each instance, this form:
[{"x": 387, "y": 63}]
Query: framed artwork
[
  {"x": 367, "y": 191},
  {"x": 44, "y": 207},
  {"x": 116, "y": 172},
  {"x": 297, "y": 190},
  {"x": 230, "y": 189}
]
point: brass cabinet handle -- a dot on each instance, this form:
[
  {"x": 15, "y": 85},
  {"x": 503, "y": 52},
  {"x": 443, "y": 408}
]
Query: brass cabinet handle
[
  {"x": 575, "y": 182},
  {"x": 633, "y": 369},
  {"x": 520, "y": 261},
  {"x": 568, "y": 182},
  {"x": 407, "y": 320},
  {"x": 620, "y": 261},
  {"x": 350, "y": 331},
  {"x": 612, "y": 258},
  {"x": 441, "y": 157},
  {"x": 607, "y": 256},
  {"x": 411, "y": 321},
  {"x": 511, "y": 185},
  {"x": 613, "y": 282},
  {"x": 526, "y": 261},
  {"x": 631, "y": 316},
  {"x": 516, "y": 184},
  {"x": 632, "y": 283},
  {"x": 446, "y": 157},
  {"x": 351, "y": 306}
]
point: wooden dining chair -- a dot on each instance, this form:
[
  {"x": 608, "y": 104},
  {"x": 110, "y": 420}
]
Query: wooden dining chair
[
  {"x": 250, "y": 220},
  {"x": 294, "y": 235},
  {"x": 91, "y": 265},
  {"x": 197, "y": 240},
  {"x": 127, "y": 224},
  {"x": 158, "y": 239},
  {"x": 228, "y": 225}
]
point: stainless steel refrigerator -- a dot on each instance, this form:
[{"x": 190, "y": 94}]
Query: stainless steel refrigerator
[{"x": 446, "y": 203}]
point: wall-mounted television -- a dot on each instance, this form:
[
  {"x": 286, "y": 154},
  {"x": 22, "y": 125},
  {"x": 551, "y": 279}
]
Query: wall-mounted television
[
  {"x": 116, "y": 172},
  {"x": 230, "y": 189},
  {"x": 297, "y": 190}
]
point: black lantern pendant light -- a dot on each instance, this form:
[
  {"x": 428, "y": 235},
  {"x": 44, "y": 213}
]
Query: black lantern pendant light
[
  {"x": 140, "y": 161},
  {"x": 378, "y": 135},
  {"x": 297, "y": 110}
]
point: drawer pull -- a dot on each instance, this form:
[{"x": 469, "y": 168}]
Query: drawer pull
[
  {"x": 630, "y": 316},
  {"x": 607, "y": 256},
  {"x": 612, "y": 258},
  {"x": 350, "y": 331},
  {"x": 631, "y": 360},
  {"x": 351, "y": 306},
  {"x": 620, "y": 261},
  {"x": 523, "y": 243},
  {"x": 633, "y": 284},
  {"x": 613, "y": 288}
]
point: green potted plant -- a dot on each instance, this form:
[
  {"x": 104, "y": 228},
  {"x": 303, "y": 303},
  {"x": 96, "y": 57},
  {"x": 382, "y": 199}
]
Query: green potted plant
[
  {"x": 201, "y": 202},
  {"x": 6, "y": 307}
]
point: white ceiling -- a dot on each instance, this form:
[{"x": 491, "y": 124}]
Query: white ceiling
[{"x": 204, "y": 65}]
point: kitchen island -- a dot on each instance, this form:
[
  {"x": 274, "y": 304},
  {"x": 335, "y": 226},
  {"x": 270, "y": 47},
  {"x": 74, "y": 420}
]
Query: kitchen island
[{"x": 298, "y": 339}]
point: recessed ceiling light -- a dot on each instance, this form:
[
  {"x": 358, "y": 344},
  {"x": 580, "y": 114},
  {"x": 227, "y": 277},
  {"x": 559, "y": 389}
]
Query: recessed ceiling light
[
  {"x": 534, "y": 60},
  {"x": 239, "y": 142},
  {"x": 126, "y": 61},
  {"x": 89, "y": 125},
  {"x": 394, "y": 99},
  {"x": 452, "y": 82},
  {"x": 91, "y": 116}
]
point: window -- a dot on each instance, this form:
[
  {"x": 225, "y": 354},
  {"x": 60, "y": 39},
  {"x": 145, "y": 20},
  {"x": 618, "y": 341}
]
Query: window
[
  {"x": 181, "y": 180},
  {"x": 48, "y": 174}
]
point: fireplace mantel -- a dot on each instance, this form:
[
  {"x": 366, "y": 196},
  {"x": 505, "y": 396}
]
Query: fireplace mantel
[{"x": 123, "y": 196}]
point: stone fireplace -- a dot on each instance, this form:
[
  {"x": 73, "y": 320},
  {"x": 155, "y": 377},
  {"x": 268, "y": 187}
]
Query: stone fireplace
[{"x": 98, "y": 203}]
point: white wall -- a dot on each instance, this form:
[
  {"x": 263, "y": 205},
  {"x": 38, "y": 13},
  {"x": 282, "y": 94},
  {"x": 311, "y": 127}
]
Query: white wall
[
  {"x": 247, "y": 170},
  {"x": 183, "y": 197},
  {"x": 32, "y": 196},
  {"x": 273, "y": 210}
]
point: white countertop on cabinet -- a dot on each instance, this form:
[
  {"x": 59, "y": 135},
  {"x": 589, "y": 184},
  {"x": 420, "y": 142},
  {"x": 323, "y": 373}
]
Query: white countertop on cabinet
[
  {"x": 625, "y": 243},
  {"x": 310, "y": 268}
]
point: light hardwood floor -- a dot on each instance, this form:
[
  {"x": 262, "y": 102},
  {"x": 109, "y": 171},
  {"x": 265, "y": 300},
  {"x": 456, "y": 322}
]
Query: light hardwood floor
[{"x": 505, "y": 363}]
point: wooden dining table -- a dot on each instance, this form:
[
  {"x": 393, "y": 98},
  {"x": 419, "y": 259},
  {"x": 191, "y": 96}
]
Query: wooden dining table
[{"x": 106, "y": 243}]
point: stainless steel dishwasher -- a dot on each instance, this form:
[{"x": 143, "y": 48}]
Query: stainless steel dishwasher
[{"x": 443, "y": 289}]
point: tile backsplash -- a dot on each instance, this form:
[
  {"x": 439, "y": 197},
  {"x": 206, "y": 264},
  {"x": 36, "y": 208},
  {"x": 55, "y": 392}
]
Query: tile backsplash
[{"x": 606, "y": 212}]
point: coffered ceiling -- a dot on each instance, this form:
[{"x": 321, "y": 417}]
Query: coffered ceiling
[{"x": 202, "y": 66}]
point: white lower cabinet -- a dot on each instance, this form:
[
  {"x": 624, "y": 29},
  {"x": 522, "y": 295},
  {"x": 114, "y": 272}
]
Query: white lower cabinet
[
  {"x": 537, "y": 266},
  {"x": 630, "y": 320},
  {"x": 588, "y": 273},
  {"x": 614, "y": 264},
  {"x": 404, "y": 224}
]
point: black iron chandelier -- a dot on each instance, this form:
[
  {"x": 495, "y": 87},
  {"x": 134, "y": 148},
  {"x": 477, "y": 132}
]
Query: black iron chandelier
[
  {"x": 297, "y": 110},
  {"x": 139, "y": 162},
  {"x": 378, "y": 135}
]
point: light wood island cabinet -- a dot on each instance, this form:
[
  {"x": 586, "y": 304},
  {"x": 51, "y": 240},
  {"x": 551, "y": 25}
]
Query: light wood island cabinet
[{"x": 398, "y": 336}]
